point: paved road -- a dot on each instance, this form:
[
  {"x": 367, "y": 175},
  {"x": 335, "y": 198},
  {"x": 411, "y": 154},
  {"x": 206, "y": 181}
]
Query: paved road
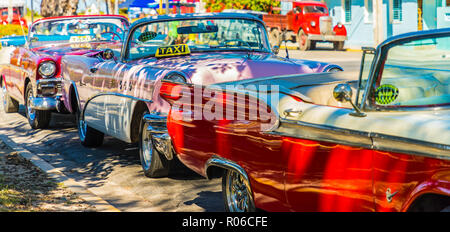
[
  {"x": 113, "y": 171},
  {"x": 349, "y": 60}
]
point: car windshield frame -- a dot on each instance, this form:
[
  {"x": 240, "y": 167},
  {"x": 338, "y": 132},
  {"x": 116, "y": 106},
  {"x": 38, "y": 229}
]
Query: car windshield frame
[
  {"x": 125, "y": 54},
  {"x": 124, "y": 21},
  {"x": 367, "y": 102}
]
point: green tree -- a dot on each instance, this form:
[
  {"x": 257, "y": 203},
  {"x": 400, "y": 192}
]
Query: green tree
[
  {"x": 58, "y": 7},
  {"x": 256, "y": 5}
]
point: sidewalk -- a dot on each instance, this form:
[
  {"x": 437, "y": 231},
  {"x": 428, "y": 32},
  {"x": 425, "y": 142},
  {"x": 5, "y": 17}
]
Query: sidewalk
[{"x": 24, "y": 187}]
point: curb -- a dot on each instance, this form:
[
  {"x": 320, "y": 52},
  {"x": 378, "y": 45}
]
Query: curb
[{"x": 80, "y": 189}]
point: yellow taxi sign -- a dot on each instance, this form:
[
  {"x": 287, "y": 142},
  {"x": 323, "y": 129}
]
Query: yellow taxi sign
[
  {"x": 173, "y": 50},
  {"x": 80, "y": 39}
]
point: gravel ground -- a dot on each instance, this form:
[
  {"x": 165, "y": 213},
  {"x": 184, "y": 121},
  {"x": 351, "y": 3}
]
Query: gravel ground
[{"x": 24, "y": 187}]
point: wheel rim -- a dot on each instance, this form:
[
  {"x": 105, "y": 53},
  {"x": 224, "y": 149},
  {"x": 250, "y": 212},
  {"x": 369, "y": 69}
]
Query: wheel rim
[
  {"x": 146, "y": 148},
  {"x": 31, "y": 114},
  {"x": 302, "y": 38},
  {"x": 238, "y": 194}
]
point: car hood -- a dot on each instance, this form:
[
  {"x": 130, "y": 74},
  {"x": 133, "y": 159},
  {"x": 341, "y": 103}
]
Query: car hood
[{"x": 209, "y": 68}]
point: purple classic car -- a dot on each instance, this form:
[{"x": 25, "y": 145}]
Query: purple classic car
[{"x": 118, "y": 94}]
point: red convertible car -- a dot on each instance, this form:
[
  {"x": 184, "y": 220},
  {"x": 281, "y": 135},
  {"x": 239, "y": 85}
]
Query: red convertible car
[
  {"x": 31, "y": 74},
  {"x": 307, "y": 143}
]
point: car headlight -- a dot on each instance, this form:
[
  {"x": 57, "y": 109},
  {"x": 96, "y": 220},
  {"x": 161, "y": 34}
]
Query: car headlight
[
  {"x": 313, "y": 23},
  {"x": 175, "y": 77},
  {"x": 47, "y": 69},
  {"x": 339, "y": 25}
]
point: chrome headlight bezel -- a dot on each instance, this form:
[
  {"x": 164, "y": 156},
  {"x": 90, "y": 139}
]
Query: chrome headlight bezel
[
  {"x": 313, "y": 23},
  {"x": 47, "y": 69}
]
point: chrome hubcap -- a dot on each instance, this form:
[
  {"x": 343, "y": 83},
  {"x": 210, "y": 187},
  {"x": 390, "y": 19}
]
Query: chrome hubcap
[
  {"x": 238, "y": 194},
  {"x": 147, "y": 148},
  {"x": 30, "y": 112}
]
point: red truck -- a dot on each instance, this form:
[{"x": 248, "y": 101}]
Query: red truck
[
  {"x": 307, "y": 23},
  {"x": 16, "y": 17}
]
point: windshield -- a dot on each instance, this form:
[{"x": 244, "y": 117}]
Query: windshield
[
  {"x": 199, "y": 35},
  {"x": 416, "y": 74},
  {"x": 77, "y": 30},
  {"x": 314, "y": 9}
]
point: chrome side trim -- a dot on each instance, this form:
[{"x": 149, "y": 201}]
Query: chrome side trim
[
  {"x": 369, "y": 140},
  {"x": 298, "y": 129},
  {"x": 410, "y": 146},
  {"x": 226, "y": 164},
  {"x": 111, "y": 94},
  {"x": 118, "y": 95}
]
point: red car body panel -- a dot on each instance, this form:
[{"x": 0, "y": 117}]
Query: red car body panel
[{"x": 292, "y": 174}]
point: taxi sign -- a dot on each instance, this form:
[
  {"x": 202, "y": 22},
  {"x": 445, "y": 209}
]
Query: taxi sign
[
  {"x": 80, "y": 39},
  {"x": 173, "y": 50}
]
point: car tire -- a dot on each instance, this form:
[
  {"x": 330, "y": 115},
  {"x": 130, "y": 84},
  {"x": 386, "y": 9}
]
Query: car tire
[
  {"x": 236, "y": 191},
  {"x": 303, "y": 42},
  {"x": 9, "y": 104},
  {"x": 38, "y": 119},
  {"x": 89, "y": 137},
  {"x": 275, "y": 37},
  {"x": 154, "y": 164}
]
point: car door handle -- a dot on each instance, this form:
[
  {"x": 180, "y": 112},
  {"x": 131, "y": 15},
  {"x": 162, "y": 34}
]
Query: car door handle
[
  {"x": 93, "y": 69},
  {"x": 292, "y": 112}
]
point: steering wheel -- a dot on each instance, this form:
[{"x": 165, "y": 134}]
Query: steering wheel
[{"x": 113, "y": 34}]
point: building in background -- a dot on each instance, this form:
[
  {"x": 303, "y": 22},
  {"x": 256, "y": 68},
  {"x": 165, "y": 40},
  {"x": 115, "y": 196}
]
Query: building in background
[
  {"x": 369, "y": 22},
  {"x": 16, "y": 4}
]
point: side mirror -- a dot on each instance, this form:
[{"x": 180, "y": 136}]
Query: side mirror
[
  {"x": 343, "y": 93},
  {"x": 276, "y": 49},
  {"x": 108, "y": 54}
]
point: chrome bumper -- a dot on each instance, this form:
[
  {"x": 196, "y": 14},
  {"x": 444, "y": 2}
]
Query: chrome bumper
[
  {"x": 48, "y": 95},
  {"x": 327, "y": 37},
  {"x": 157, "y": 126},
  {"x": 46, "y": 103}
]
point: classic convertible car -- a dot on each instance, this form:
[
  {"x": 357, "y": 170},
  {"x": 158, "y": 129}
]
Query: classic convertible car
[
  {"x": 326, "y": 141},
  {"x": 119, "y": 95},
  {"x": 31, "y": 74}
]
